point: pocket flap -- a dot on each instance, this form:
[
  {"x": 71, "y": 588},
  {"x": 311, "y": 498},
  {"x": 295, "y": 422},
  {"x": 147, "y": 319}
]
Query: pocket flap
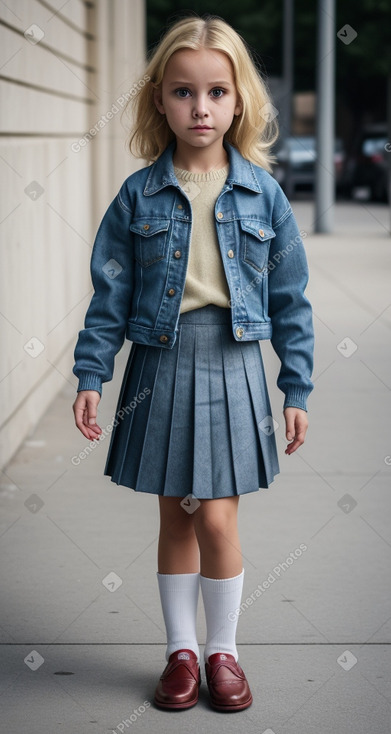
[
  {"x": 259, "y": 229},
  {"x": 148, "y": 227}
]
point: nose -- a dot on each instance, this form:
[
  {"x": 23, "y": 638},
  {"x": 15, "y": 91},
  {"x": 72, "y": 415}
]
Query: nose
[{"x": 199, "y": 107}]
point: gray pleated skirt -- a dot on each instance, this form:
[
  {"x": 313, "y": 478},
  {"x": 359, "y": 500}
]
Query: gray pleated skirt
[{"x": 194, "y": 419}]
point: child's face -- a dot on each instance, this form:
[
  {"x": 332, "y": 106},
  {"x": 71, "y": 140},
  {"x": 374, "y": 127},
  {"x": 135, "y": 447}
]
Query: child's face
[{"x": 198, "y": 88}]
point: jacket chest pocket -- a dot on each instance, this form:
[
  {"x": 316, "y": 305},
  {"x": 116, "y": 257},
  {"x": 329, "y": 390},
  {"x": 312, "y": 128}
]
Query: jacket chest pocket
[
  {"x": 150, "y": 239},
  {"x": 255, "y": 237}
]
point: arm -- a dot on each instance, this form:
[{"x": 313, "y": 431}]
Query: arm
[
  {"x": 107, "y": 315},
  {"x": 290, "y": 310}
]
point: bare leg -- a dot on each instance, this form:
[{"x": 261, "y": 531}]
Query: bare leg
[
  {"x": 215, "y": 524},
  {"x": 178, "y": 550}
]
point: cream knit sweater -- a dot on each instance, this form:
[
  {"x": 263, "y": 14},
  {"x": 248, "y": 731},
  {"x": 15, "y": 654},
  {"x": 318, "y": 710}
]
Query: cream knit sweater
[{"x": 205, "y": 278}]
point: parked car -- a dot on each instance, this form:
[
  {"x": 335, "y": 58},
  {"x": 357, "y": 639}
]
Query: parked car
[
  {"x": 298, "y": 154},
  {"x": 366, "y": 173}
]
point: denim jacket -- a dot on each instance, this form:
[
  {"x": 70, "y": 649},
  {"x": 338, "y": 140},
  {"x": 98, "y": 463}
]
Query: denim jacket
[{"x": 139, "y": 261}]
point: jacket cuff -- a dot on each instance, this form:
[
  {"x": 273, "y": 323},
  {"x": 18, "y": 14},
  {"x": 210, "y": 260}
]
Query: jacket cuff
[
  {"x": 296, "y": 397},
  {"x": 90, "y": 381}
]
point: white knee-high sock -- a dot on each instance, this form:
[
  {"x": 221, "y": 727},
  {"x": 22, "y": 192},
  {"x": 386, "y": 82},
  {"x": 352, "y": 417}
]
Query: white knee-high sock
[
  {"x": 221, "y": 599},
  {"x": 179, "y": 599}
]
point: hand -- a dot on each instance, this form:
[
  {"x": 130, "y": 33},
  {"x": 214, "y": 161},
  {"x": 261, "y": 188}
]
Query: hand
[
  {"x": 85, "y": 409},
  {"x": 296, "y": 425}
]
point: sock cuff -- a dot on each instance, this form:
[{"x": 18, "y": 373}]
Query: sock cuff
[
  {"x": 197, "y": 573},
  {"x": 223, "y": 585},
  {"x": 178, "y": 581}
]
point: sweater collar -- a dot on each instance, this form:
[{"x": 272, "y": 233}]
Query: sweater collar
[{"x": 241, "y": 171}]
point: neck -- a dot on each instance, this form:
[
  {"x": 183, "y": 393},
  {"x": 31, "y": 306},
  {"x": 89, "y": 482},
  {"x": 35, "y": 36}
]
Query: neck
[{"x": 201, "y": 160}]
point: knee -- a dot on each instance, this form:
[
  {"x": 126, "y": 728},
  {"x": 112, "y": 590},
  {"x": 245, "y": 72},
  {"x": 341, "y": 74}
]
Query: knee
[
  {"x": 214, "y": 524},
  {"x": 178, "y": 526}
]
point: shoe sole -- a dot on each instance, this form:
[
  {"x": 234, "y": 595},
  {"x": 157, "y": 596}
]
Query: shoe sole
[
  {"x": 228, "y": 708},
  {"x": 173, "y": 706},
  {"x": 184, "y": 705}
]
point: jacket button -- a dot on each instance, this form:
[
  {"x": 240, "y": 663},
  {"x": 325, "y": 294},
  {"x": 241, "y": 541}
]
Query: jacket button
[
  {"x": 239, "y": 331},
  {"x": 261, "y": 232},
  {"x": 177, "y": 253},
  {"x": 171, "y": 292},
  {"x": 220, "y": 215},
  {"x": 180, "y": 206},
  {"x": 163, "y": 338},
  {"x": 231, "y": 253},
  {"x": 146, "y": 226}
]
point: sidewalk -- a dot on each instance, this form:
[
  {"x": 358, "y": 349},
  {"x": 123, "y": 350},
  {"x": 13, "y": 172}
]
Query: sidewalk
[{"x": 82, "y": 653}]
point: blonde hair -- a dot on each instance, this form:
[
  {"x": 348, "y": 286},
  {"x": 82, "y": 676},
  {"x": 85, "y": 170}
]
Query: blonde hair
[{"x": 252, "y": 132}]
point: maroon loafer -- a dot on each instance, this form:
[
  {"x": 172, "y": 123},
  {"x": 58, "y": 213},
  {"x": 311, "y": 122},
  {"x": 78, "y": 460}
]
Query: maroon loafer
[
  {"x": 227, "y": 683},
  {"x": 179, "y": 683}
]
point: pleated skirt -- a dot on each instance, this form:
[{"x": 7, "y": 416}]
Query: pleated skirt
[{"x": 194, "y": 419}]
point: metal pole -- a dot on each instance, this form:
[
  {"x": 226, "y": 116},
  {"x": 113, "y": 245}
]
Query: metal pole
[
  {"x": 287, "y": 58},
  {"x": 288, "y": 62},
  {"x": 388, "y": 156},
  {"x": 325, "y": 122}
]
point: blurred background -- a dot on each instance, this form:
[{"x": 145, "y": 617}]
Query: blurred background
[{"x": 283, "y": 38}]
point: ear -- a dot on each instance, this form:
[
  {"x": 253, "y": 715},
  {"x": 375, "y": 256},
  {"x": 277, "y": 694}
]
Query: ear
[
  {"x": 157, "y": 98},
  {"x": 239, "y": 106}
]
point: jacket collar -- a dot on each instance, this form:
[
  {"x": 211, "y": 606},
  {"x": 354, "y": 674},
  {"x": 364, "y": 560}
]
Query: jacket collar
[{"x": 240, "y": 173}]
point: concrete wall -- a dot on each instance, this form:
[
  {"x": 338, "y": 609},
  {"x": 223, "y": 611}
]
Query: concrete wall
[{"x": 62, "y": 67}]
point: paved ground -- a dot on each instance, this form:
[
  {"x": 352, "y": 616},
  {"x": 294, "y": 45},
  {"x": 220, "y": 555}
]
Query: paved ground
[{"x": 77, "y": 657}]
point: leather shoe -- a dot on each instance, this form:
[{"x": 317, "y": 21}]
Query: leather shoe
[
  {"x": 179, "y": 683},
  {"x": 227, "y": 683}
]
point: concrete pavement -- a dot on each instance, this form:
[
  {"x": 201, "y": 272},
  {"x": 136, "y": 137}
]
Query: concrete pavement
[{"x": 82, "y": 630}]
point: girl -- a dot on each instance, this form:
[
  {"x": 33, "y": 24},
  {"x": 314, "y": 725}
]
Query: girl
[{"x": 198, "y": 258}]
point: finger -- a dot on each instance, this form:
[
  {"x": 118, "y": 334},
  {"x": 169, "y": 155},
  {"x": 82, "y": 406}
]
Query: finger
[
  {"x": 81, "y": 412},
  {"x": 290, "y": 428},
  {"x": 80, "y": 422},
  {"x": 298, "y": 441},
  {"x": 85, "y": 431},
  {"x": 90, "y": 432},
  {"x": 89, "y": 419},
  {"x": 91, "y": 414},
  {"x": 291, "y": 448},
  {"x": 93, "y": 431}
]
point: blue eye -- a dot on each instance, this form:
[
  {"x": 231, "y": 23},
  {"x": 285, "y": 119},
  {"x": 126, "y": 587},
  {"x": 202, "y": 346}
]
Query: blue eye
[
  {"x": 181, "y": 89},
  {"x": 183, "y": 92}
]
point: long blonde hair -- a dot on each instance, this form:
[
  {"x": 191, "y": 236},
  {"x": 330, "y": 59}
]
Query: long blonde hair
[{"x": 252, "y": 132}]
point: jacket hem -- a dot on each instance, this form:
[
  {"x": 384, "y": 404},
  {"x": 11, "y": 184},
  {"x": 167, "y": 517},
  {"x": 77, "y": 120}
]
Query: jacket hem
[{"x": 152, "y": 337}]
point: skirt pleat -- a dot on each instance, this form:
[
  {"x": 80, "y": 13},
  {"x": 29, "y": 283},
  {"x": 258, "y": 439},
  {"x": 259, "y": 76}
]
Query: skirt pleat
[
  {"x": 223, "y": 468},
  {"x": 180, "y": 454},
  {"x": 203, "y": 458},
  {"x": 191, "y": 419},
  {"x": 262, "y": 409}
]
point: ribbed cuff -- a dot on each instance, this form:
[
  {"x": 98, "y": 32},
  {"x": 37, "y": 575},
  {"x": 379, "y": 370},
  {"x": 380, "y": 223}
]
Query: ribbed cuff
[
  {"x": 296, "y": 397},
  {"x": 90, "y": 381},
  {"x": 223, "y": 585}
]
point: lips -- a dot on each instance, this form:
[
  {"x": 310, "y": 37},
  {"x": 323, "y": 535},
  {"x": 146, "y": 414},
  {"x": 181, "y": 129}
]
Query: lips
[{"x": 200, "y": 127}]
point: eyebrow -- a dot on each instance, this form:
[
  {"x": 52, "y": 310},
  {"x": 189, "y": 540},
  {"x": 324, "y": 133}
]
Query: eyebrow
[{"x": 209, "y": 84}]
